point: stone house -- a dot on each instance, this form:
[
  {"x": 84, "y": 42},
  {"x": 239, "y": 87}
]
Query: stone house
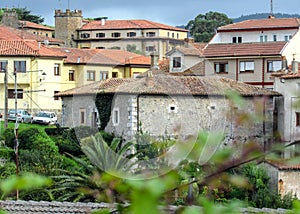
[
  {"x": 143, "y": 36},
  {"x": 174, "y": 106},
  {"x": 284, "y": 177}
]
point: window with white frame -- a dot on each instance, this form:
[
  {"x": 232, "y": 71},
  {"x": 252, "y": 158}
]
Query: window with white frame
[
  {"x": 246, "y": 66},
  {"x": 20, "y": 66},
  {"x": 263, "y": 38},
  {"x": 85, "y": 35},
  {"x": 221, "y": 67},
  {"x": 11, "y": 94},
  {"x": 3, "y": 65},
  {"x": 176, "y": 62},
  {"x": 150, "y": 34},
  {"x": 71, "y": 75},
  {"x": 103, "y": 75},
  {"x": 274, "y": 65},
  {"x": 116, "y": 116},
  {"x": 287, "y": 37},
  {"x": 56, "y": 69},
  {"x": 237, "y": 39},
  {"x": 131, "y": 34},
  {"x": 90, "y": 75},
  {"x": 100, "y": 35},
  {"x": 150, "y": 48},
  {"x": 115, "y": 34}
]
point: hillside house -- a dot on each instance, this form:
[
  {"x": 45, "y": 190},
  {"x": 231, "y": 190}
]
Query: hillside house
[
  {"x": 250, "y": 51},
  {"x": 141, "y": 36}
]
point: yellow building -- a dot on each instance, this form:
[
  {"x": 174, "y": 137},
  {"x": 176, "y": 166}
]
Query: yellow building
[
  {"x": 42, "y": 71},
  {"x": 142, "y": 36}
]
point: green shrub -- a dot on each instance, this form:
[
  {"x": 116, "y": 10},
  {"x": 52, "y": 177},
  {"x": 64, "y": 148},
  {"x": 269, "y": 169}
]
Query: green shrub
[{"x": 7, "y": 153}]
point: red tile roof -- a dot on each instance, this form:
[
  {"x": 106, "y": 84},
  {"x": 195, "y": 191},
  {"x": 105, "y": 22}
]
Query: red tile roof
[
  {"x": 103, "y": 56},
  {"x": 26, "y": 48},
  {"x": 172, "y": 85},
  {"x": 8, "y": 33},
  {"x": 262, "y": 24},
  {"x": 128, "y": 24},
  {"x": 284, "y": 164},
  {"x": 28, "y": 24},
  {"x": 244, "y": 49}
]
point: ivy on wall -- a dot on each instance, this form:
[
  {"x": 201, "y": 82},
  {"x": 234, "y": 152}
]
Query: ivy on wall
[{"x": 103, "y": 104}]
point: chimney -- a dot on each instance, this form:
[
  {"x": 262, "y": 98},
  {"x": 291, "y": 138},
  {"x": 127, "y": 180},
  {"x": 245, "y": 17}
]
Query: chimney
[
  {"x": 295, "y": 66},
  {"x": 284, "y": 63},
  {"x": 103, "y": 19},
  {"x": 154, "y": 61},
  {"x": 78, "y": 59},
  {"x": 149, "y": 79}
]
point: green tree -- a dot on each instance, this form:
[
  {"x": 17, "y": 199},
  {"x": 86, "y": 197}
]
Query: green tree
[
  {"x": 25, "y": 15},
  {"x": 203, "y": 27}
]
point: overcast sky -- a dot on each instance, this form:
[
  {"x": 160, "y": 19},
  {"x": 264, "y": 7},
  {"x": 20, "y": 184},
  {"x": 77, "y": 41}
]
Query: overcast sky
[{"x": 171, "y": 12}]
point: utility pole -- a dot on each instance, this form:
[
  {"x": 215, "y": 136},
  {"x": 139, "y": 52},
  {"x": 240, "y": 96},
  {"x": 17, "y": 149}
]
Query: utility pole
[
  {"x": 5, "y": 99},
  {"x": 16, "y": 143}
]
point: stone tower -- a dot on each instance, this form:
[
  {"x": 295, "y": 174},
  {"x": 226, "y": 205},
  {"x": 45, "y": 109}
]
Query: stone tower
[
  {"x": 66, "y": 24},
  {"x": 10, "y": 18}
]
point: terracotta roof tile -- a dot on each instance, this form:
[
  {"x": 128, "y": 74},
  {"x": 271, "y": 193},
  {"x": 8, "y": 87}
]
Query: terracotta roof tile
[
  {"x": 196, "y": 70},
  {"x": 265, "y": 24},
  {"x": 284, "y": 164},
  {"x": 190, "y": 51},
  {"x": 8, "y": 33},
  {"x": 128, "y": 24},
  {"x": 26, "y": 48},
  {"x": 173, "y": 85},
  {"x": 244, "y": 49},
  {"x": 28, "y": 24},
  {"x": 104, "y": 57}
]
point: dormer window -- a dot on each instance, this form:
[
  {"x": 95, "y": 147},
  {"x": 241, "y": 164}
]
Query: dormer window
[
  {"x": 237, "y": 39},
  {"x": 176, "y": 62}
]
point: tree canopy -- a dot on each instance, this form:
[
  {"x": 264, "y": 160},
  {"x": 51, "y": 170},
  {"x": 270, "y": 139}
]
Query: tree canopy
[
  {"x": 25, "y": 15},
  {"x": 203, "y": 27}
]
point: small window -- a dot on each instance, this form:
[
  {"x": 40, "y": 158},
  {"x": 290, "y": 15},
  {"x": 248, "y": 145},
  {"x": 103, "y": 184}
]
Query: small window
[
  {"x": 85, "y": 35},
  {"x": 264, "y": 38},
  {"x": 100, "y": 47},
  {"x": 172, "y": 108},
  {"x": 82, "y": 116},
  {"x": 103, "y": 75},
  {"x": 173, "y": 35},
  {"x": 274, "y": 65},
  {"x": 131, "y": 34},
  {"x": 114, "y": 74},
  {"x": 246, "y": 66},
  {"x": 177, "y": 35},
  {"x": 100, "y": 35},
  {"x": 56, "y": 98},
  {"x": 221, "y": 67},
  {"x": 287, "y": 37},
  {"x": 297, "y": 118},
  {"x": 115, "y": 34},
  {"x": 150, "y": 34},
  {"x": 236, "y": 39},
  {"x": 176, "y": 62},
  {"x": 90, "y": 76},
  {"x": 150, "y": 48},
  {"x": 275, "y": 38},
  {"x": 56, "y": 69},
  {"x": 3, "y": 66},
  {"x": 71, "y": 75},
  {"x": 116, "y": 117},
  {"x": 11, "y": 94},
  {"x": 20, "y": 66}
]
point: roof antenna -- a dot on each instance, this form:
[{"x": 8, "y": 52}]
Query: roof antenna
[{"x": 271, "y": 10}]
